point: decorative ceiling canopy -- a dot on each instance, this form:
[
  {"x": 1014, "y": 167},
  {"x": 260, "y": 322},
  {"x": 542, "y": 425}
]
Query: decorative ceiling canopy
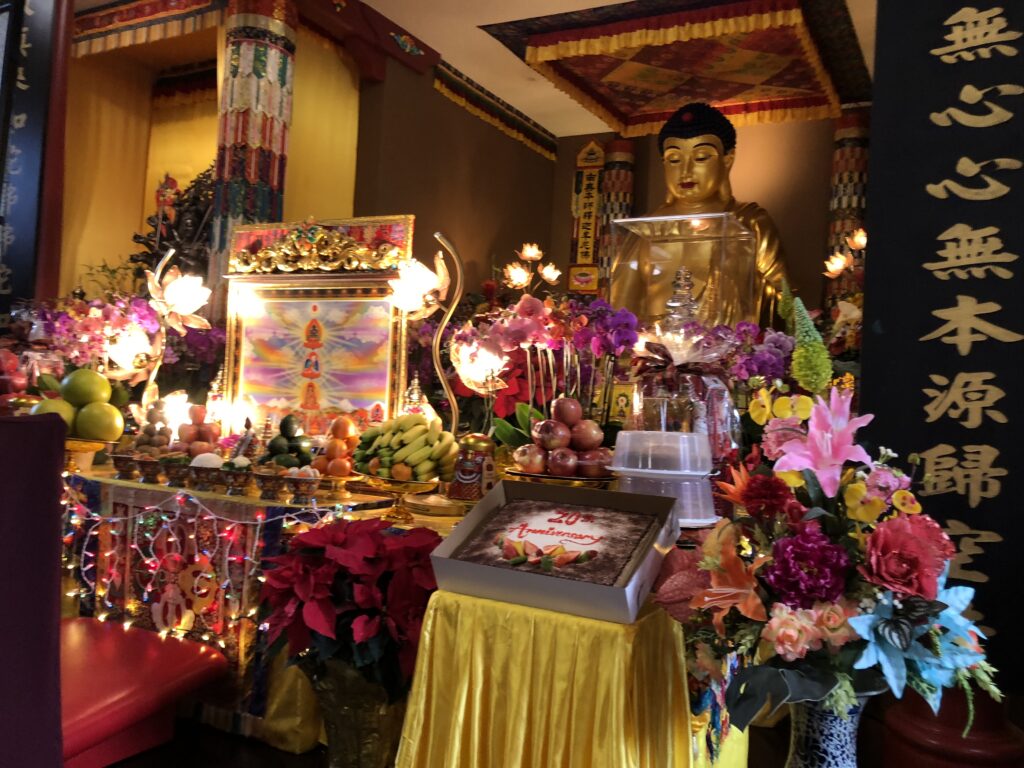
[{"x": 754, "y": 60}]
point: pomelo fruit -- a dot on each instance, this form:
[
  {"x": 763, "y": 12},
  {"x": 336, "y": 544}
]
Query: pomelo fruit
[
  {"x": 62, "y": 408},
  {"x": 99, "y": 421},
  {"x": 119, "y": 396},
  {"x": 83, "y": 387}
]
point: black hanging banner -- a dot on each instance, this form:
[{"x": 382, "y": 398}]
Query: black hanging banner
[
  {"x": 943, "y": 349},
  {"x": 23, "y": 173}
]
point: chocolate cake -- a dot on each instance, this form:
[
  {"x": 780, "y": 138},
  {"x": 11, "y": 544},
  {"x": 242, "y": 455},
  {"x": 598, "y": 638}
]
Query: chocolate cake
[{"x": 567, "y": 541}]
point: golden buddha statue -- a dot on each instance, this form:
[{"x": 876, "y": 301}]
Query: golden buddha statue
[{"x": 698, "y": 148}]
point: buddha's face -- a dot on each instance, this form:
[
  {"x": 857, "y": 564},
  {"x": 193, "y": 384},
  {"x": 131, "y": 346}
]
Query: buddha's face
[{"x": 695, "y": 168}]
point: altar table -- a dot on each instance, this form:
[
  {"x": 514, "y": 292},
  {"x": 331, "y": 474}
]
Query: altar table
[
  {"x": 499, "y": 685},
  {"x": 154, "y": 585}
]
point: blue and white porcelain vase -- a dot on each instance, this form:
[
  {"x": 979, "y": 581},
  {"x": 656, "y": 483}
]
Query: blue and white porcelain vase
[{"x": 818, "y": 738}]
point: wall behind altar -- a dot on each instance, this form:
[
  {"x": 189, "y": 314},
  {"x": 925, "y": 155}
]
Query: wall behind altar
[
  {"x": 785, "y": 167},
  {"x": 320, "y": 176},
  {"x": 105, "y": 167},
  {"x": 182, "y": 143},
  {"x": 420, "y": 153}
]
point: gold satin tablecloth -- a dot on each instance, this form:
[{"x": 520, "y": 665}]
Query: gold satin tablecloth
[{"x": 506, "y": 686}]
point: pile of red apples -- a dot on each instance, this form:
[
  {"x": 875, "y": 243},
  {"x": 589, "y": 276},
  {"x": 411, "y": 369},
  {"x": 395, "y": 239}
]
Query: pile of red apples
[{"x": 566, "y": 445}]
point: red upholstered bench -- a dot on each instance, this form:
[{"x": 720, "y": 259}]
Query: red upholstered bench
[{"x": 119, "y": 688}]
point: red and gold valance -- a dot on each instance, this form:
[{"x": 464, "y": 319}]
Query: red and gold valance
[
  {"x": 754, "y": 60},
  {"x": 142, "y": 21}
]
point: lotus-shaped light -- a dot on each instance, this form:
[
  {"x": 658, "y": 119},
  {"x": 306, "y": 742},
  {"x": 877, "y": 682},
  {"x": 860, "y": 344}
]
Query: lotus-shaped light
[
  {"x": 417, "y": 290},
  {"x": 837, "y": 263},
  {"x": 857, "y": 240},
  {"x": 478, "y": 367},
  {"x": 130, "y": 348},
  {"x": 516, "y": 276},
  {"x": 177, "y": 297},
  {"x": 550, "y": 273},
  {"x": 531, "y": 252}
]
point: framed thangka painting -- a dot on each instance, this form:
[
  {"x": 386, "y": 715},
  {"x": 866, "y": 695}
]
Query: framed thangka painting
[{"x": 311, "y": 327}]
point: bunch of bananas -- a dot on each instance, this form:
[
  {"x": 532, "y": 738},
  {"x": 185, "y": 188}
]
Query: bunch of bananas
[{"x": 407, "y": 448}]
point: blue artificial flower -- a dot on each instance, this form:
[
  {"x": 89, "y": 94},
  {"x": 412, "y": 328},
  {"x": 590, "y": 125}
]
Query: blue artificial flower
[
  {"x": 880, "y": 651},
  {"x": 957, "y": 642}
]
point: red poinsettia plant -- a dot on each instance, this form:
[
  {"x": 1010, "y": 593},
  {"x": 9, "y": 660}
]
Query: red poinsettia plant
[{"x": 355, "y": 591}]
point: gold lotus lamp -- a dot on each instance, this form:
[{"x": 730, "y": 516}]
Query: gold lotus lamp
[{"x": 418, "y": 292}]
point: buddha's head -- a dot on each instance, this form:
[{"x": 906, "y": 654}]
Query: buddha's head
[{"x": 698, "y": 147}]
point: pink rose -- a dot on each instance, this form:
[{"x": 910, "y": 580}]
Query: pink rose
[
  {"x": 906, "y": 555},
  {"x": 792, "y": 632},
  {"x": 832, "y": 622}
]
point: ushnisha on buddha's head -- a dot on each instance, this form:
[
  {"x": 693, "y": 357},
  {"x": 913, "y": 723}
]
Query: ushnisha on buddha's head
[{"x": 698, "y": 147}]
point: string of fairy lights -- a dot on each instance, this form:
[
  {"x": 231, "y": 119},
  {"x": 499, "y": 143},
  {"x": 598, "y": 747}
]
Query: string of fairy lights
[{"x": 179, "y": 534}]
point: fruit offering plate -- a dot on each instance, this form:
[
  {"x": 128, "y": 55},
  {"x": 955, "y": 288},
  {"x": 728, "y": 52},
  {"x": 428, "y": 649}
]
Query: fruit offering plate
[
  {"x": 600, "y": 483},
  {"x": 335, "y": 485},
  {"x": 77, "y": 445},
  {"x": 400, "y": 486},
  {"x": 435, "y": 505}
]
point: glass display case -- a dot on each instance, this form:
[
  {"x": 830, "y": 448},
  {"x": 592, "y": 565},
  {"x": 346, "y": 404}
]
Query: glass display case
[{"x": 716, "y": 248}]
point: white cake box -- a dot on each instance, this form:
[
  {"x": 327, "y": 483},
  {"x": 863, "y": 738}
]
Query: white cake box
[{"x": 619, "y": 602}]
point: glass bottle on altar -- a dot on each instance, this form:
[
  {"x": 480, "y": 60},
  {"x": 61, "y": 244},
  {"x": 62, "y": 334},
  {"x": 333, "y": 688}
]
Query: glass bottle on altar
[{"x": 474, "y": 468}]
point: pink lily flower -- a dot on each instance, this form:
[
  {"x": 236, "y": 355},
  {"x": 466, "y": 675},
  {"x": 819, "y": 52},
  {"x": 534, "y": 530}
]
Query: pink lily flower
[{"x": 829, "y": 442}]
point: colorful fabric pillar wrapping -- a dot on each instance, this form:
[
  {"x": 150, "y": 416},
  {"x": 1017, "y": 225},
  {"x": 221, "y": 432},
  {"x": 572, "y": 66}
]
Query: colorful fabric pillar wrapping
[
  {"x": 616, "y": 199},
  {"x": 255, "y": 112},
  {"x": 848, "y": 204}
]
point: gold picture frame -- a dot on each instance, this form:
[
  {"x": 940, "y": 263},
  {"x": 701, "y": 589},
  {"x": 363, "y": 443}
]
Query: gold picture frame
[{"x": 316, "y": 343}]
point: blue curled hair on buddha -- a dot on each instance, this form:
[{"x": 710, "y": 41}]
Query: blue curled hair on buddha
[{"x": 698, "y": 119}]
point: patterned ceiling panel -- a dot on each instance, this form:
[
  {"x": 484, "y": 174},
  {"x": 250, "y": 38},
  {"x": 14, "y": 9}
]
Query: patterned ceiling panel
[
  {"x": 756, "y": 61},
  {"x": 633, "y": 64}
]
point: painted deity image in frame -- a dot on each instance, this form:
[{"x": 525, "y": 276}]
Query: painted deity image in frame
[{"x": 318, "y": 340}]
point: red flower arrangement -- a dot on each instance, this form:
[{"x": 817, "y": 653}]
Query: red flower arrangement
[
  {"x": 354, "y": 591},
  {"x": 907, "y": 555}
]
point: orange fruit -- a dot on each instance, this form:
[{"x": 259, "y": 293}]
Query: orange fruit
[
  {"x": 336, "y": 449},
  {"x": 320, "y": 464},
  {"x": 339, "y": 468},
  {"x": 352, "y": 441},
  {"x": 343, "y": 426}
]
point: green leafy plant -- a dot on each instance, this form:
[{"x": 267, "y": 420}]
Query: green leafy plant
[{"x": 519, "y": 434}]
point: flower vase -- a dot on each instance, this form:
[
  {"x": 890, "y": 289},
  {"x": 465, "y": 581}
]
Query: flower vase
[
  {"x": 363, "y": 729},
  {"x": 818, "y": 738}
]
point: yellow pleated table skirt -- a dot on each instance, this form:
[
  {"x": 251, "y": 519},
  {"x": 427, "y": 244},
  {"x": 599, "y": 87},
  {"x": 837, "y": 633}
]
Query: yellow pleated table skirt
[{"x": 505, "y": 686}]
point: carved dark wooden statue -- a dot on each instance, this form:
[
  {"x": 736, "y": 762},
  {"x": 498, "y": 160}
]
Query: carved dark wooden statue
[{"x": 181, "y": 222}]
